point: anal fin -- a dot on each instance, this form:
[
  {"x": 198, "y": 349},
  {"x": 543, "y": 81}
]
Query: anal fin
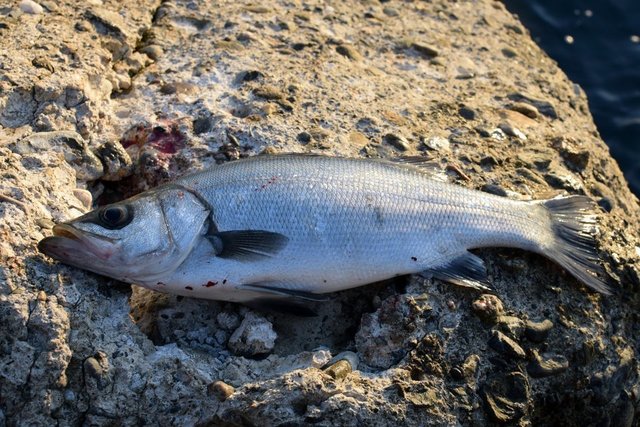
[
  {"x": 465, "y": 270},
  {"x": 273, "y": 290},
  {"x": 281, "y": 305}
]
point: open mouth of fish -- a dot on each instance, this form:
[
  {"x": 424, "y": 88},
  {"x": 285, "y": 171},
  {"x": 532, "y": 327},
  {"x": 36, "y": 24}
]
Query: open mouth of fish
[{"x": 69, "y": 244}]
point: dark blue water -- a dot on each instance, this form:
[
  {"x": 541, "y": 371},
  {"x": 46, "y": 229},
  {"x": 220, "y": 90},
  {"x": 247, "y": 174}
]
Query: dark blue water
[{"x": 597, "y": 44}]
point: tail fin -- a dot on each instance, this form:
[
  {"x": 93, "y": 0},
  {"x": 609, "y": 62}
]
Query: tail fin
[{"x": 573, "y": 222}]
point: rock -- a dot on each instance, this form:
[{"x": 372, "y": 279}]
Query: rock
[
  {"x": 74, "y": 148},
  {"x": 116, "y": 161},
  {"x": 494, "y": 189},
  {"x": 538, "y": 331},
  {"x": 544, "y": 107},
  {"x": 396, "y": 141},
  {"x": 31, "y": 7},
  {"x": 221, "y": 390},
  {"x": 467, "y": 113},
  {"x": 488, "y": 307},
  {"x": 512, "y": 131},
  {"x": 425, "y": 50},
  {"x": 437, "y": 143},
  {"x": 510, "y": 325},
  {"x": 349, "y": 51},
  {"x": 341, "y": 365},
  {"x": 506, "y": 397},
  {"x": 254, "y": 336},
  {"x": 546, "y": 365},
  {"x": 524, "y": 108},
  {"x": 505, "y": 345}
]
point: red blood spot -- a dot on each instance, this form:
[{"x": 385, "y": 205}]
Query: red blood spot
[
  {"x": 269, "y": 182},
  {"x": 164, "y": 137},
  {"x": 210, "y": 284},
  {"x": 188, "y": 287},
  {"x": 181, "y": 195}
]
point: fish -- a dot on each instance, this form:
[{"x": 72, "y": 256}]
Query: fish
[{"x": 285, "y": 230}]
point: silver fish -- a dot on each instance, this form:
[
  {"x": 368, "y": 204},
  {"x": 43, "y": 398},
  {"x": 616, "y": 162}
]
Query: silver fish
[{"x": 288, "y": 228}]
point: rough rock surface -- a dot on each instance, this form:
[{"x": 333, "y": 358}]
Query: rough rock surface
[{"x": 155, "y": 89}]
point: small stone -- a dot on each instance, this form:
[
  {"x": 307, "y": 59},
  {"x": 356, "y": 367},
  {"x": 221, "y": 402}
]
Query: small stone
[
  {"x": 221, "y": 390},
  {"x": 566, "y": 182},
  {"x": 483, "y": 132},
  {"x": 545, "y": 108},
  {"x": 505, "y": 345},
  {"x": 349, "y": 51},
  {"x": 512, "y": 131},
  {"x": 228, "y": 320},
  {"x": 358, "y": 139},
  {"x": 425, "y": 50},
  {"x": 269, "y": 92},
  {"x": 498, "y": 134},
  {"x": 494, "y": 189},
  {"x": 389, "y": 11},
  {"x": 538, "y": 331},
  {"x": 437, "y": 143},
  {"x": 153, "y": 51},
  {"x": 254, "y": 336},
  {"x": 525, "y": 109},
  {"x": 510, "y": 325},
  {"x": 83, "y": 197},
  {"x": 506, "y": 397},
  {"x": 546, "y": 365},
  {"x": 31, "y": 7},
  {"x": 249, "y": 76},
  {"x": 42, "y": 62},
  {"x": 396, "y": 141},
  {"x": 116, "y": 160},
  {"x": 339, "y": 370},
  {"x": 467, "y": 113},
  {"x": 96, "y": 371},
  {"x": 488, "y": 307}
]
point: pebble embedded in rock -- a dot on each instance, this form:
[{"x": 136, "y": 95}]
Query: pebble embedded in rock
[
  {"x": 546, "y": 365},
  {"x": 506, "y": 397},
  {"x": 396, "y": 141},
  {"x": 525, "y": 109},
  {"x": 221, "y": 390},
  {"x": 505, "y": 345},
  {"x": 538, "y": 331},
  {"x": 31, "y": 7},
  {"x": 437, "y": 143},
  {"x": 254, "y": 336},
  {"x": 488, "y": 307},
  {"x": 74, "y": 148},
  {"x": 349, "y": 51},
  {"x": 512, "y": 131},
  {"x": 494, "y": 189},
  {"x": 116, "y": 161},
  {"x": 426, "y": 50},
  {"x": 467, "y": 113},
  {"x": 153, "y": 51}
]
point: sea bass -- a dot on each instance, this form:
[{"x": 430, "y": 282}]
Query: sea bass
[{"x": 288, "y": 228}]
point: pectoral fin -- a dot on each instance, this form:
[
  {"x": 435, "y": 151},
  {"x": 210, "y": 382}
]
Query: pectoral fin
[
  {"x": 247, "y": 245},
  {"x": 465, "y": 270}
]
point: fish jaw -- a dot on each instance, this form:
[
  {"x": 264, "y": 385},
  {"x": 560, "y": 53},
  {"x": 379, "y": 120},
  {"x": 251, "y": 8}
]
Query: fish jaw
[{"x": 71, "y": 246}]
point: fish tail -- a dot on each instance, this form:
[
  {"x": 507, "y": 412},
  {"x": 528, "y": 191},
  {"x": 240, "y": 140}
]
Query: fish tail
[{"x": 573, "y": 246}]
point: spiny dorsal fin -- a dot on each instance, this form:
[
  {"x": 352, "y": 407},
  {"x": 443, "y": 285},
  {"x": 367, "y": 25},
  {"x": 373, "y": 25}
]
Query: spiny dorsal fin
[
  {"x": 247, "y": 245},
  {"x": 465, "y": 270}
]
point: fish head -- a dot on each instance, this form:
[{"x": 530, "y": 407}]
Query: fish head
[{"x": 136, "y": 240}]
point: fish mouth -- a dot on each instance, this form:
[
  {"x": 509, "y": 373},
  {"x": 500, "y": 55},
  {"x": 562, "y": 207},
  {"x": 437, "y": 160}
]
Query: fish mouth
[{"x": 69, "y": 245}]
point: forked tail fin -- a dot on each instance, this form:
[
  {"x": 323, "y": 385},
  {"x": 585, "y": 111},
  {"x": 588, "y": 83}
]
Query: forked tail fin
[{"x": 573, "y": 222}]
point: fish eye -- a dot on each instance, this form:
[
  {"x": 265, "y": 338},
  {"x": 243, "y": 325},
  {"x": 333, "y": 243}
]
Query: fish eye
[{"x": 115, "y": 217}]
